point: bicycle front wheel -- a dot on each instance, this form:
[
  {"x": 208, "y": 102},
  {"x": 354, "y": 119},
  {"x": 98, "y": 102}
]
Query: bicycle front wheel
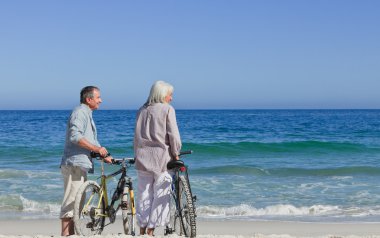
[
  {"x": 128, "y": 211},
  {"x": 89, "y": 210},
  {"x": 186, "y": 208}
]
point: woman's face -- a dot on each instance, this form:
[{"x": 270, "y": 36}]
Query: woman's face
[{"x": 169, "y": 98}]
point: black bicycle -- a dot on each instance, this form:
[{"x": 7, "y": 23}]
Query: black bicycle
[
  {"x": 91, "y": 202},
  {"x": 182, "y": 204}
]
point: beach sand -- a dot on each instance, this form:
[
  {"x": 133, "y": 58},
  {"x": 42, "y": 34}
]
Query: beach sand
[{"x": 208, "y": 229}]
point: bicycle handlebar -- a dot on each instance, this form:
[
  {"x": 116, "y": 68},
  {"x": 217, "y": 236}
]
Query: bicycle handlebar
[
  {"x": 97, "y": 155},
  {"x": 128, "y": 160},
  {"x": 114, "y": 161},
  {"x": 187, "y": 152}
]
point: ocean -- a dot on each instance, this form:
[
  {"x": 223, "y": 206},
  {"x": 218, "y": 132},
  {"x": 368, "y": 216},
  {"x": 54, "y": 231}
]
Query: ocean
[{"x": 288, "y": 165}]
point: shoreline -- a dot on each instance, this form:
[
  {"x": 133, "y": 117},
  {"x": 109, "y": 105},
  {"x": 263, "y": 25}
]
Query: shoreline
[{"x": 207, "y": 228}]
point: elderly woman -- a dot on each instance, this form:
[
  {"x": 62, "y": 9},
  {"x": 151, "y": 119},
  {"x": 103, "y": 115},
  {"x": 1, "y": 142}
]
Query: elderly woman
[{"x": 156, "y": 142}]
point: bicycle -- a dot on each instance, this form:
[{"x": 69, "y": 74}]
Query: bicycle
[
  {"x": 91, "y": 206},
  {"x": 182, "y": 204}
]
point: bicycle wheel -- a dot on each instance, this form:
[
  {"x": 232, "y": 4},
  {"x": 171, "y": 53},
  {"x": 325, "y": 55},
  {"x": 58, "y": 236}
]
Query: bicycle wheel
[
  {"x": 89, "y": 210},
  {"x": 175, "y": 220},
  {"x": 186, "y": 208},
  {"x": 128, "y": 211}
]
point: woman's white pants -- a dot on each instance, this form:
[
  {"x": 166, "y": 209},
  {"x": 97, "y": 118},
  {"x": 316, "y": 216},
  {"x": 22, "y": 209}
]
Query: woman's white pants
[{"x": 153, "y": 198}]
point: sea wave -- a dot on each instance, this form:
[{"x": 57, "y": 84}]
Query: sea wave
[
  {"x": 26, "y": 174},
  {"x": 11, "y": 204},
  {"x": 247, "y": 170},
  {"x": 30, "y": 152},
  {"x": 284, "y": 210},
  {"x": 33, "y": 154},
  {"x": 275, "y": 210},
  {"x": 238, "y": 148},
  {"x": 19, "y": 203}
]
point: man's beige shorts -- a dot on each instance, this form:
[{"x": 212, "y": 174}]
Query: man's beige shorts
[{"x": 73, "y": 178}]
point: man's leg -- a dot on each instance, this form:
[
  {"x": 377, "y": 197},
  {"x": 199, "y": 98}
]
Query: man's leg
[
  {"x": 73, "y": 178},
  {"x": 67, "y": 227}
]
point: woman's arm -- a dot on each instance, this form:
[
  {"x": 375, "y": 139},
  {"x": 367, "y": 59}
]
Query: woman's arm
[{"x": 173, "y": 133}]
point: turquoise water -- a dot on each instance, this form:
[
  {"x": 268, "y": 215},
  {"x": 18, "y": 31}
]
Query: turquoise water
[{"x": 302, "y": 165}]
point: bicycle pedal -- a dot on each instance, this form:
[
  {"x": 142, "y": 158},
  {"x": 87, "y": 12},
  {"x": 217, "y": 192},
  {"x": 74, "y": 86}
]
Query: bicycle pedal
[{"x": 90, "y": 225}]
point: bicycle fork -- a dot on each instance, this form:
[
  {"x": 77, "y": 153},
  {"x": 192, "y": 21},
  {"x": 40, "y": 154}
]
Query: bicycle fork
[
  {"x": 125, "y": 204},
  {"x": 124, "y": 201}
]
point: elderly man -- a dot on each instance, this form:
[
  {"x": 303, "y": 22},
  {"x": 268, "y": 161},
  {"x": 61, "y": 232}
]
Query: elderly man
[{"x": 81, "y": 139}]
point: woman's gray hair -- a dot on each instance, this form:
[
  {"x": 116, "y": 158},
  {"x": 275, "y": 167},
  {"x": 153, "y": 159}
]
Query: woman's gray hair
[
  {"x": 158, "y": 92},
  {"x": 87, "y": 92}
]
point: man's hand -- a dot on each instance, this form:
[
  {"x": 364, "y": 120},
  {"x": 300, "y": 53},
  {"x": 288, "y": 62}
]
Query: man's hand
[
  {"x": 87, "y": 145},
  {"x": 102, "y": 151},
  {"x": 108, "y": 159}
]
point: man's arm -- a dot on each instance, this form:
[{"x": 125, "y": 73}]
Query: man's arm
[
  {"x": 87, "y": 145},
  {"x": 78, "y": 121},
  {"x": 101, "y": 150}
]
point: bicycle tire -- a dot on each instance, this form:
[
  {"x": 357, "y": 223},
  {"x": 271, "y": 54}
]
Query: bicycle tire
[
  {"x": 88, "y": 217},
  {"x": 186, "y": 208},
  {"x": 175, "y": 220},
  {"x": 128, "y": 211}
]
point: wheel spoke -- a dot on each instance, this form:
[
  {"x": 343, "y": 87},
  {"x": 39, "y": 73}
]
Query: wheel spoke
[
  {"x": 182, "y": 220},
  {"x": 89, "y": 210},
  {"x": 127, "y": 206}
]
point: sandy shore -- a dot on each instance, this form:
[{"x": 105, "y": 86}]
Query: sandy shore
[{"x": 210, "y": 229}]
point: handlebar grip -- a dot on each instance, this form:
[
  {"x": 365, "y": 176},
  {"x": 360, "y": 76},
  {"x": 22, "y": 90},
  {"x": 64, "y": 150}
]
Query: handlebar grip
[
  {"x": 187, "y": 152},
  {"x": 96, "y": 155},
  {"x": 127, "y": 160},
  {"x": 132, "y": 161}
]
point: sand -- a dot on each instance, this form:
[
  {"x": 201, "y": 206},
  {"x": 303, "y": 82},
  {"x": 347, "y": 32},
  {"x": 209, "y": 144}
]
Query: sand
[{"x": 208, "y": 229}]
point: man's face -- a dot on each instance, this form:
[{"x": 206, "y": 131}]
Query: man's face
[{"x": 93, "y": 103}]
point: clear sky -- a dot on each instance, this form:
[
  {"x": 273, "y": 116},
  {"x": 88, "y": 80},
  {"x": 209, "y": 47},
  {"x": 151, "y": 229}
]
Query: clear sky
[{"x": 282, "y": 54}]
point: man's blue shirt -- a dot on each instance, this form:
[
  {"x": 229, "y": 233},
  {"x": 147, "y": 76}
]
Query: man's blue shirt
[{"x": 80, "y": 125}]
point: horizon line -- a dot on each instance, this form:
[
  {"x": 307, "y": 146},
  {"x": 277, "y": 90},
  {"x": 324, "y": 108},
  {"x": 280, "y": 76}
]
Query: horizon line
[{"x": 203, "y": 109}]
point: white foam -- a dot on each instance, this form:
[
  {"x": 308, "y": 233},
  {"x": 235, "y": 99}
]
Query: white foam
[
  {"x": 34, "y": 206},
  {"x": 275, "y": 210}
]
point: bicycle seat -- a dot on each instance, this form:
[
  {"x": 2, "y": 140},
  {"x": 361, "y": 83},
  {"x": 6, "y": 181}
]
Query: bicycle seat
[{"x": 175, "y": 164}]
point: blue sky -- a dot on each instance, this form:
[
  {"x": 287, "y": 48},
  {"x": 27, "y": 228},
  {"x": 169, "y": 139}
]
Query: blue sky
[{"x": 217, "y": 54}]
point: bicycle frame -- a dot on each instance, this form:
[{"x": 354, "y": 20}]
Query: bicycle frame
[
  {"x": 118, "y": 191},
  {"x": 93, "y": 204}
]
